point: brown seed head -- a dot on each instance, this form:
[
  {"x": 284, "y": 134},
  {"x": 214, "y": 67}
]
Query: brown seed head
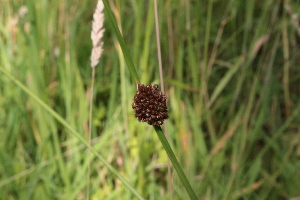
[{"x": 150, "y": 105}]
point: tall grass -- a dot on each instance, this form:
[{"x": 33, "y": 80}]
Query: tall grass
[{"x": 233, "y": 90}]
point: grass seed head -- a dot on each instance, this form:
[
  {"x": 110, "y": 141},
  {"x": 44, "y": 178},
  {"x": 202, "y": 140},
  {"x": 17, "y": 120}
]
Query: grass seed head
[{"x": 97, "y": 34}]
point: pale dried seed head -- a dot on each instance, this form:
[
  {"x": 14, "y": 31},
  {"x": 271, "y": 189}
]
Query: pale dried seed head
[{"x": 97, "y": 34}]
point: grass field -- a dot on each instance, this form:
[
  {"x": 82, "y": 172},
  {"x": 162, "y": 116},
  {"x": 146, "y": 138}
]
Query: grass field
[{"x": 232, "y": 77}]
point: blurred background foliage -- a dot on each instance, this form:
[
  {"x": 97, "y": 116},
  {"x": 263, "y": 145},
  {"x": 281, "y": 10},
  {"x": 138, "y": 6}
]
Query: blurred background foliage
[{"x": 232, "y": 79}]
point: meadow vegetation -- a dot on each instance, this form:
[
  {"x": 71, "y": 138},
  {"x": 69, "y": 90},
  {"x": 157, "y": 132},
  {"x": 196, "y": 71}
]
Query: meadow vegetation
[{"x": 232, "y": 79}]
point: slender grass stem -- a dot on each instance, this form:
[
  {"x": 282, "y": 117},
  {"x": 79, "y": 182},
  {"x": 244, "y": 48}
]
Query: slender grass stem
[
  {"x": 175, "y": 162},
  {"x": 90, "y": 132},
  {"x": 161, "y": 77},
  {"x": 286, "y": 68},
  {"x": 124, "y": 48}
]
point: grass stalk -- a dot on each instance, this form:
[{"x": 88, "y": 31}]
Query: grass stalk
[
  {"x": 97, "y": 50},
  {"x": 175, "y": 162},
  {"x": 124, "y": 48},
  {"x": 90, "y": 132},
  {"x": 161, "y": 77},
  {"x": 286, "y": 67}
]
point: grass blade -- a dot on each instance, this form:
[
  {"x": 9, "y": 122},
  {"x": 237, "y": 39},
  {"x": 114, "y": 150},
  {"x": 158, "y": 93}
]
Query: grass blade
[
  {"x": 72, "y": 131},
  {"x": 126, "y": 53},
  {"x": 175, "y": 162},
  {"x": 224, "y": 81}
]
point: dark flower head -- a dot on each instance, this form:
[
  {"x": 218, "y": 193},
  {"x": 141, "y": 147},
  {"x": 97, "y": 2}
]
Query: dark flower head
[{"x": 150, "y": 105}]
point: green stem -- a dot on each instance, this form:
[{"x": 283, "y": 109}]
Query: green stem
[
  {"x": 126, "y": 53},
  {"x": 175, "y": 162}
]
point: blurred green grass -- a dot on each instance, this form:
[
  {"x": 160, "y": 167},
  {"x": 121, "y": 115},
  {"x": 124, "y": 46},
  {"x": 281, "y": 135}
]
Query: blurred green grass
[{"x": 232, "y": 78}]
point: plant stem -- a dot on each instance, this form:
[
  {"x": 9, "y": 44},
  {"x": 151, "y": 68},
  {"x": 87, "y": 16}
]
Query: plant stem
[
  {"x": 170, "y": 184},
  {"x": 90, "y": 134},
  {"x": 175, "y": 162},
  {"x": 126, "y": 53}
]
